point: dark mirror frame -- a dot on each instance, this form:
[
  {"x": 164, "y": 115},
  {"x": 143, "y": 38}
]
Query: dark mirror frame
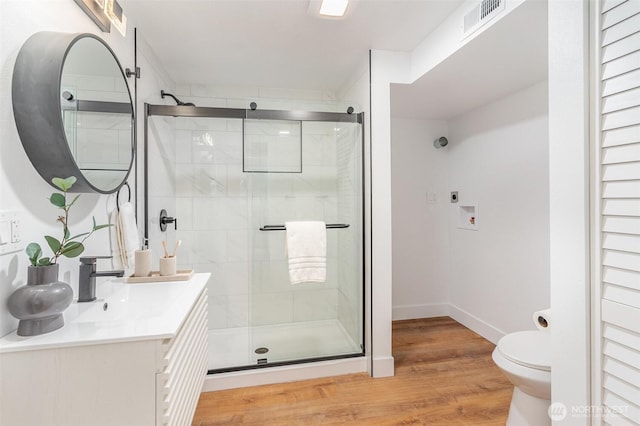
[{"x": 35, "y": 90}]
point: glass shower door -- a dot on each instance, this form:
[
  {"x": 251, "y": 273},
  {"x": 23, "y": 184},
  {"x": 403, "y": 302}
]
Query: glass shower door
[
  {"x": 211, "y": 203},
  {"x": 295, "y": 322}
]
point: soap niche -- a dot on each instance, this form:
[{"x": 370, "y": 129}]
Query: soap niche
[{"x": 468, "y": 216}]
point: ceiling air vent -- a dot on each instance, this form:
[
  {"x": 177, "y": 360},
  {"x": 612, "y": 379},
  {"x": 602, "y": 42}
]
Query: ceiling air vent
[{"x": 485, "y": 11}]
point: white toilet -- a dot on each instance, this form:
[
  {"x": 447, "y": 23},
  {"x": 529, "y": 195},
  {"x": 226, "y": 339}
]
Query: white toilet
[{"x": 525, "y": 358}]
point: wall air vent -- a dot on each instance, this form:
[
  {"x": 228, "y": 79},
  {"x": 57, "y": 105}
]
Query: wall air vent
[{"x": 485, "y": 11}]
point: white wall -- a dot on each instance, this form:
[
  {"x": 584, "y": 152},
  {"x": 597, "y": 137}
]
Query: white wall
[
  {"x": 569, "y": 205},
  {"x": 398, "y": 67},
  {"x": 21, "y": 188},
  {"x": 421, "y": 247},
  {"x": 386, "y": 68},
  {"x": 498, "y": 158}
]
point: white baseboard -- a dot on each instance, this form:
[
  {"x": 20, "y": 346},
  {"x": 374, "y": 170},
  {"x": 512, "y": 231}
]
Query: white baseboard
[
  {"x": 383, "y": 367},
  {"x": 470, "y": 321},
  {"x": 420, "y": 311},
  {"x": 477, "y": 325}
]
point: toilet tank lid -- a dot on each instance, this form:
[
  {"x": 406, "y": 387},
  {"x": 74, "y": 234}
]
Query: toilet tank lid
[{"x": 528, "y": 348}]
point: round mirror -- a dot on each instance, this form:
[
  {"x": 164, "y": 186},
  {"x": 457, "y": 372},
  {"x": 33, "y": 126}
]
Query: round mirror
[{"x": 73, "y": 110}]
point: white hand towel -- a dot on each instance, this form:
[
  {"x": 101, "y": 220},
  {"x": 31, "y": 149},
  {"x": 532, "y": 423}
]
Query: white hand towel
[
  {"x": 124, "y": 238},
  {"x": 127, "y": 230},
  {"x": 307, "y": 251},
  {"x": 114, "y": 231}
]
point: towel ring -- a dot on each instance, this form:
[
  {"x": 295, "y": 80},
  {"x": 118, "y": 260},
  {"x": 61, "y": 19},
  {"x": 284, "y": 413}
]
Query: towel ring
[{"x": 118, "y": 194}]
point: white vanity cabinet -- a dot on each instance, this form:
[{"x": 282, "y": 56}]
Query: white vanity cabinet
[
  {"x": 182, "y": 368},
  {"x": 148, "y": 380}
]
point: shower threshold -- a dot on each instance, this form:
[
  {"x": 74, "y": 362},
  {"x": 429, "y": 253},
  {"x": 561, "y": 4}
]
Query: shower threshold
[{"x": 235, "y": 349}]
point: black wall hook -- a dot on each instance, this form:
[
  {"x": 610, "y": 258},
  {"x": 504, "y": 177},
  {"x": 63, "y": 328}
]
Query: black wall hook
[{"x": 118, "y": 195}]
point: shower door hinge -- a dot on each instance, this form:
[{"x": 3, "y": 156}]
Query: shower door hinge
[{"x": 129, "y": 73}]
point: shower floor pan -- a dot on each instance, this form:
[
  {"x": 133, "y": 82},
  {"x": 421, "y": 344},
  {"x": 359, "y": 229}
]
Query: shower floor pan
[{"x": 235, "y": 348}]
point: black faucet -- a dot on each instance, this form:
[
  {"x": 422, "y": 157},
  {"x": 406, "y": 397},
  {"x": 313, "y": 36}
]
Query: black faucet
[{"x": 88, "y": 274}]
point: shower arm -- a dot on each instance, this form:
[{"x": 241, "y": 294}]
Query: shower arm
[{"x": 178, "y": 101}]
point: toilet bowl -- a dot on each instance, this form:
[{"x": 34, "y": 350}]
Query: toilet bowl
[{"x": 525, "y": 358}]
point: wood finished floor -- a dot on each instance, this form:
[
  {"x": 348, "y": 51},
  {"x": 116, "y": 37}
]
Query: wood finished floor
[{"x": 444, "y": 375}]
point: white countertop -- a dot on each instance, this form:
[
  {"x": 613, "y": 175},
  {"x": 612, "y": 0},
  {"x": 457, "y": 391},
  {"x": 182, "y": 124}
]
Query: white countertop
[{"x": 135, "y": 312}]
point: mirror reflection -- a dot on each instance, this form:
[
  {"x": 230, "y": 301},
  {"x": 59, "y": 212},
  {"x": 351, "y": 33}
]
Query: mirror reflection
[{"x": 97, "y": 113}]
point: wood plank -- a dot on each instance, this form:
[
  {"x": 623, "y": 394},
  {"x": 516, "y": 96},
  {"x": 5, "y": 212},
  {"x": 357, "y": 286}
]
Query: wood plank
[{"x": 444, "y": 375}]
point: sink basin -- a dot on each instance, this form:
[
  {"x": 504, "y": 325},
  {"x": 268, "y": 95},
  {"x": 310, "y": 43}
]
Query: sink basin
[{"x": 119, "y": 301}]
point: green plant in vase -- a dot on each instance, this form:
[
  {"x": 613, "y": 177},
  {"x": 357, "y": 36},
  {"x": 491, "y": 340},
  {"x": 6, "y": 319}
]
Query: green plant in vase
[
  {"x": 40, "y": 303},
  {"x": 70, "y": 245}
]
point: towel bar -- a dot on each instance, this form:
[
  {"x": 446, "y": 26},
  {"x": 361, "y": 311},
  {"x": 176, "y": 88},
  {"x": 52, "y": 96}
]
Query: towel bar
[{"x": 282, "y": 227}]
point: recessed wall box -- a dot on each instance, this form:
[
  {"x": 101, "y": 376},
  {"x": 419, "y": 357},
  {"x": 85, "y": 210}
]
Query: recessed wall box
[{"x": 468, "y": 216}]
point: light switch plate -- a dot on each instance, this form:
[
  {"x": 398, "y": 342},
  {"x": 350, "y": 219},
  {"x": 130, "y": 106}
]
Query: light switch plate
[{"x": 10, "y": 232}]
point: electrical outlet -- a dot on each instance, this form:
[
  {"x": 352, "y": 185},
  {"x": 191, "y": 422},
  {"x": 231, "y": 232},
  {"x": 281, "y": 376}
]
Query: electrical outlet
[{"x": 454, "y": 196}]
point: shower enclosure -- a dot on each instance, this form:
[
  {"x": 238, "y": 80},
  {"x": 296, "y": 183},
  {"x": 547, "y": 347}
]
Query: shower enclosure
[{"x": 232, "y": 178}]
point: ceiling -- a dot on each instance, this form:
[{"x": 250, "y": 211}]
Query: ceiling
[
  {"x": 508, "y": 56},
  {"x": 277, "y": 43}
]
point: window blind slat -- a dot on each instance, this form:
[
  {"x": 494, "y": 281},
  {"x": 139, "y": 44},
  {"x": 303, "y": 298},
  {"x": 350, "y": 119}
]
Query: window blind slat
[
  {"x": 621, "y": 30},
  {"x": 610, "y": 4},
  {"x": 621, "y": 66},
  {"x": 624, "y": 189},
  {"x": 621, "y": 225},
  {"x": 627, "y": 117},
  {"x": 619, "y": 101},
  {"x": 621, "y": 208},
  {"x": 621, "y": 83},
  {"x": 620, "y": 13},
  {"x": 621, "y": 259},
  {"x": 621, "y": 242},
  {"x": 621, "y": 48},
  {"x": 622, "y": 388},
  {"x": 622, "y": 411},
  {"x": 620, "y": 353},
  {"x": 621, "y": 154},
  {"x": 624, "y": 136},
  {"x": 624, "y": 317},
  {"x": 621, "y": 171},
  {"x": 624, "y": 295},
  {"x": 622, "y": 277},
  {"x": 629, "y": 342},
  {"x": 622, "y": 370}
]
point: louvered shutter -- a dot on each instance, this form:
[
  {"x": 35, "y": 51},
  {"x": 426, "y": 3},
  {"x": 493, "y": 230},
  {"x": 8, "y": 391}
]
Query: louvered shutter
[{"x": 618, "y": 222}]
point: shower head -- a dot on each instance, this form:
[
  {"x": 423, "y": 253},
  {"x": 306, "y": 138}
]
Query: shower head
[
  {"x": 178, "y": 101},
  {"x": 440, "y": 142}
]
